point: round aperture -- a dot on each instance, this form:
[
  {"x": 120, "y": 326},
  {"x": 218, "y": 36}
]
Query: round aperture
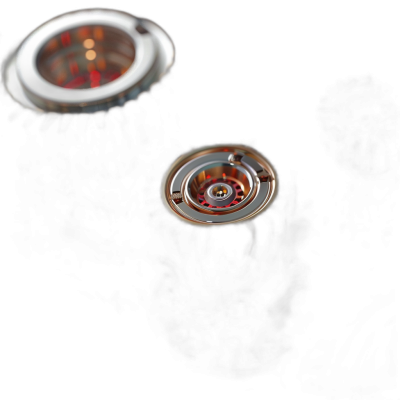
[
  {"x": 219, "y": 184},
  {"x": 88, "y": 60},
  {"x": 86, "y": 57}
]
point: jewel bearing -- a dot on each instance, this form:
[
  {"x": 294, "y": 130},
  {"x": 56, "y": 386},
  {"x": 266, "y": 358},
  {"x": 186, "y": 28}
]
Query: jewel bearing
[{"x": 220, "y": 184}]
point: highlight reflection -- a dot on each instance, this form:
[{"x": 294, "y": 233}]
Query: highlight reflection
[{"x": 86, "y": 57}]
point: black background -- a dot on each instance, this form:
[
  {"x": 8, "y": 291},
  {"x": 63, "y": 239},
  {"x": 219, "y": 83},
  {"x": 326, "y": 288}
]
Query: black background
[{"x": 256, "y": 69}]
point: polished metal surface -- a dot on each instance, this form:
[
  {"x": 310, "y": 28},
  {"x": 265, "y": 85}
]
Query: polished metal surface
[
  {"x": 219, "y": 184},
  {"x": 219, "y": 194},
  {"x": 88, "y": 60}
]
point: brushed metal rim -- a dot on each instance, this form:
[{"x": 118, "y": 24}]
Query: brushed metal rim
[
  {"x": 176, "y": 184},
  {"x": 154, "y": 55}
]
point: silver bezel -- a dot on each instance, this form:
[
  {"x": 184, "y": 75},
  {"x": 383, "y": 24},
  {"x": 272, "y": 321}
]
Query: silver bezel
[
  {"x": 154, "y": 55},
  {"x": 177, "y": 184},
  {"x": 198, "y": 167}
]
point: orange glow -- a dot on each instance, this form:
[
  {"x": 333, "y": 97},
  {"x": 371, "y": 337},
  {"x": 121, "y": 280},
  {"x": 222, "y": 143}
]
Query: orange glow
[
  {"x": 223, "y": 175},
  {"x": 62, "y": 76},
  {"x": 88, "y": 43},
  {"x": 73, "y": 67},
  {"x": 123, "y": 70},
  {"x": 52, "y": 45},
  {"x": 98, "y": 33},
  {"x": 66, "y": 39},
  {"x": 90, "y": 55},
  {"x": 84, "y": 32},
  {"x": 91, "y": 67},
  {"x": 101, "y": 64}
]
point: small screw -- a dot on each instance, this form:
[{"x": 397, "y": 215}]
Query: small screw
[{"x": 235, "y": 157}]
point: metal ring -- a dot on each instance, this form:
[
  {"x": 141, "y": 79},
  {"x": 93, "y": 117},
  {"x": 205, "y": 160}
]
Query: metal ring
[
  {"x": 237, "y": 163},
  {"x": 154, "y": 54}
]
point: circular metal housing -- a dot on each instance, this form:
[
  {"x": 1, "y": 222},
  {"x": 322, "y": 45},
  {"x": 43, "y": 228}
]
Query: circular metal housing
[
  {"x": 88, "y": 60},
  {"x": 220, "y": 184}
]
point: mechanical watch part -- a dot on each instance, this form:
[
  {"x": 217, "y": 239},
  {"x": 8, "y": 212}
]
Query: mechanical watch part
[
  {"x": 76, "y": 165},
  {"x": 224, "y": 301},
  {"x": 220, "y": 184},
  {"x": 69, "y": 115},
  {"x": 88, "y": 60}
]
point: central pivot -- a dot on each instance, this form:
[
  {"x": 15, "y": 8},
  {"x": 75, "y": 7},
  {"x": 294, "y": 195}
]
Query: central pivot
[
  {"x": 220, "y": 194},
  {"x": 220, "y": 191}
]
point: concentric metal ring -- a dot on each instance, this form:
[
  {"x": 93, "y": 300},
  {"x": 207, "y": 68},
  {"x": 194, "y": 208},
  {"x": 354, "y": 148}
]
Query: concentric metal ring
[
  {"x": 239, "y": 169},
  {"x": 151, "y": 53}
]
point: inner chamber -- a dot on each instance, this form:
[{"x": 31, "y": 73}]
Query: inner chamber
[
  {"x": 224, "y": 174},
  {"x": 86, "y": 57}
]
